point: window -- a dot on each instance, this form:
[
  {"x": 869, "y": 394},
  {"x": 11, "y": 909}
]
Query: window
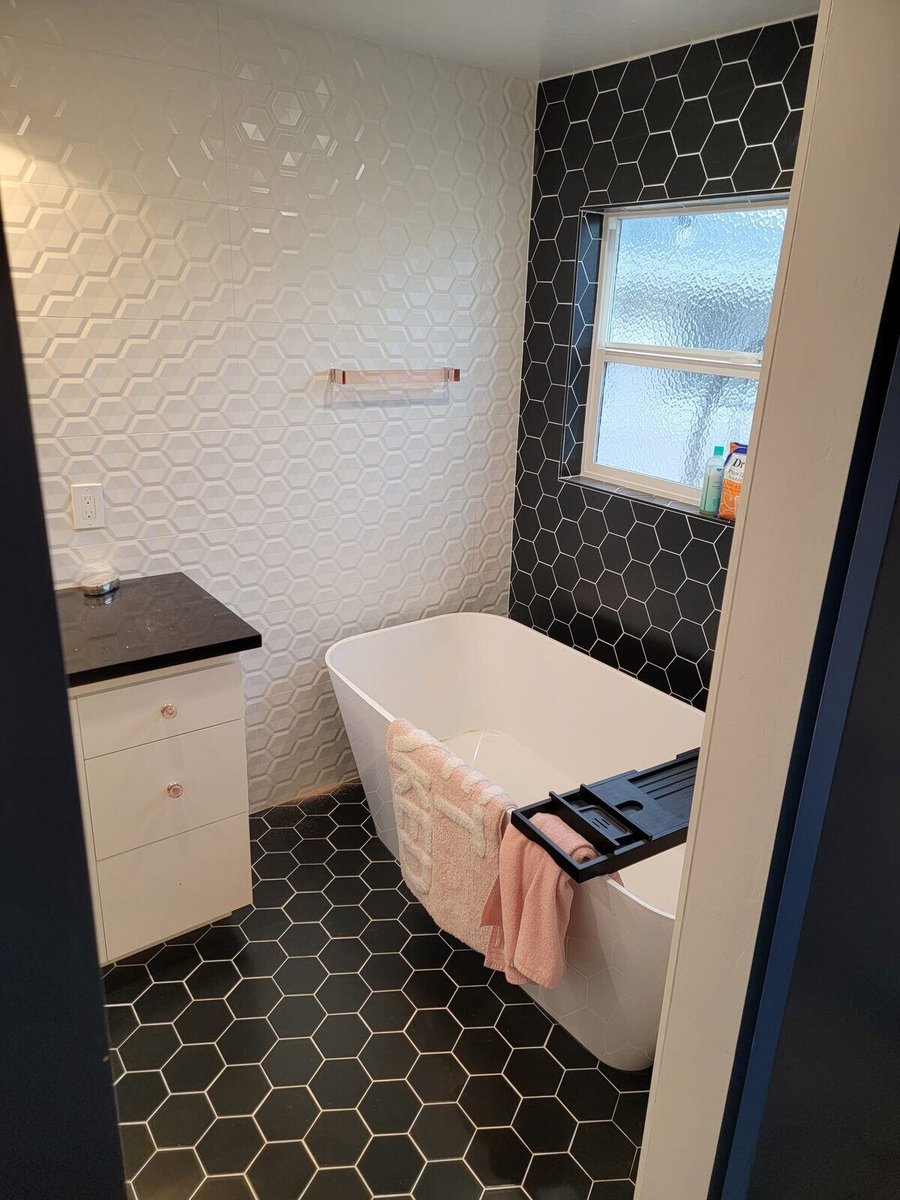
[{"x": 682, "y": 309}]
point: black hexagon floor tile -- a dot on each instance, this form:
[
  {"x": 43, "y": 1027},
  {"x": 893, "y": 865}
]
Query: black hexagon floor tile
[
  {"x": 343, "y": 1181},
  {"x": 339, "y": 1083},
  {"x": 137, "y": 1147},
  {"x": 225, "y": 1187},
  {"x": 544, "y": 1124},
  {"x": 193, "y": 1068},
  {"x": 169, "y": 1173},
  {"x": 603, "y": 1150},
  {"x": 434, "y": 1029},
  {"x": 341, "y": 1036},
  {"x": 450, "y": 1180},
  {"x": 385, "y": 1012},
  {"x": 442, "y": 1131},
  {"x": 281, "y": 1170},
  {"x": 230, "y": 1145},
  {"x": 337, "y": 1138},
  {"x": 139, "y": 1094},
  {"x": 437, "y": 1077},
  {"x": 277, "y": 1055},
  {"x": 498, "y": 1156},
  {"x": 391, "y": 1163},
  {"x": 556, "y": 1175},
  {"x": 239, "y": 1090},
  {"x": 291, "y": 1062},
  {"x": 390, "y": 1106},
  {"x": 181, "y": 1120},
  {"x": 211, "y": 980},
  {"x": 482, "y": 1051},
  {"x": 489, "y": 1100}
]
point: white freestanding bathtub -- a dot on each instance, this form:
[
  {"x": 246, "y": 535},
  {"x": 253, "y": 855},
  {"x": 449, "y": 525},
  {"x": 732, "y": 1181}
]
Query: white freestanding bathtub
[{"x": 532, "y": 715}]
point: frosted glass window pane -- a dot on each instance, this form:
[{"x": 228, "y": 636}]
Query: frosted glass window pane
[
  {"x": 702, "y": 281},
  {"x": 665, "y": 423}
]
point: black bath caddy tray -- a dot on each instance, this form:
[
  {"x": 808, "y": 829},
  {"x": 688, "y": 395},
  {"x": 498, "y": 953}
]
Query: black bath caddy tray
[{"x": 627, "y": 818}]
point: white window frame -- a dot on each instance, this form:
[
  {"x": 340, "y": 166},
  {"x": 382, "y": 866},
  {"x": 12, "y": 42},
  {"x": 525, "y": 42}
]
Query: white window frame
[{"x": 707, "y": 362}]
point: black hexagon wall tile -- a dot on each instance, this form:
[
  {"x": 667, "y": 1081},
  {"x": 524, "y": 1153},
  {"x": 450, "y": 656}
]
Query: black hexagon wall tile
[{"x": 632, "y": 581}]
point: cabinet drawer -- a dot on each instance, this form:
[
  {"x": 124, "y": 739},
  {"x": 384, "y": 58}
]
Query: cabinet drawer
[
  {"x": 157, "y": 891},
  {"x": 161, "y": 708},
  {"x": 131, "y": 804}
]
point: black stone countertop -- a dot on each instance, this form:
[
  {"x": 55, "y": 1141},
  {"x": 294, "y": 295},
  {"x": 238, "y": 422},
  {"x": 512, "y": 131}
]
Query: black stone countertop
[{"x": 158, "y": 621}]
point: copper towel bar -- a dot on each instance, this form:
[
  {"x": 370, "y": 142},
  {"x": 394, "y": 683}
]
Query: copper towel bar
[{"x": 396, "y": 377}]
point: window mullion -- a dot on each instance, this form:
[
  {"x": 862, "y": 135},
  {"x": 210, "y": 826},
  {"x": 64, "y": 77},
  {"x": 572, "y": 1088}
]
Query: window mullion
[{"x": 674, "y": 359}]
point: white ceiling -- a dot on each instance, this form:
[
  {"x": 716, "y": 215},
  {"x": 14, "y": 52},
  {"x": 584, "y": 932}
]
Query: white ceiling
[{"x": 537, "y": 39}]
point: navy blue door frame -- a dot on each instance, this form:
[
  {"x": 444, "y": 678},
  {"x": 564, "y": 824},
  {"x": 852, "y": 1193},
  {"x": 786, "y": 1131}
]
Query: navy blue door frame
[
  {"x": 58, "y": 1134},
  {"x": 787, "y": 1116}
]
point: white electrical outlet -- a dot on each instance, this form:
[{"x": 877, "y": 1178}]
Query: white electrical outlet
[{"x": 87, "y": 506}]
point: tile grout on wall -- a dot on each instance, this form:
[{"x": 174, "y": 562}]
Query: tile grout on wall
[
  {"x": 199, "y": 231},
  {"x": 629, "y": 581}
]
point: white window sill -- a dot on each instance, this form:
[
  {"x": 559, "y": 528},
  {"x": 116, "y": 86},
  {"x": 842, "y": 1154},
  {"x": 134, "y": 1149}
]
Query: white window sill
[{"x": 597, "y": 485}]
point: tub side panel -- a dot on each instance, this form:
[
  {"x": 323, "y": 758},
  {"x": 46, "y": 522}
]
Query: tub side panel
[
  {"x": 610, "y": 997},
  {"x": 367, "y": 730}
]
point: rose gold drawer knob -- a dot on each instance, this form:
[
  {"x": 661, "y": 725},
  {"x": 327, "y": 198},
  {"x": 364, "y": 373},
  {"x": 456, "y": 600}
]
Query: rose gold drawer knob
[
  {"x": 175, "y": 790},
  {"x": 169, "y": 711}
]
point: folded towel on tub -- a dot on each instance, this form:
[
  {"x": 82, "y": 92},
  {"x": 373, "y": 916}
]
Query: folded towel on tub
[
  {"x": 450, "y": 822},
  {"x": 527, "y": 911}
]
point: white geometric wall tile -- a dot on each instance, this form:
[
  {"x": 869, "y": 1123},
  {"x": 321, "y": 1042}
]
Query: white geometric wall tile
[
  {"x": 378, "y": 79},
  {"x": 289, "y": 363},
  {"x": 96, "y": 375},
  {"x": 265, "y": 49},
  {"x": 103, "y": 376},
  {"x": 82, "y": 253},
  {"x": 71, "y": 117},
  {"x": 288, "y": 266},
  {"x": 178, "y": 32},
  {"x": 288, "y": 150},
  {"x": 178, "y": 347}
]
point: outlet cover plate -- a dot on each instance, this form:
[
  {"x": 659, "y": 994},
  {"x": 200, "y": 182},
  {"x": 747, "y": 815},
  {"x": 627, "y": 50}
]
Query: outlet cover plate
[{"x": 87, "y": 506}]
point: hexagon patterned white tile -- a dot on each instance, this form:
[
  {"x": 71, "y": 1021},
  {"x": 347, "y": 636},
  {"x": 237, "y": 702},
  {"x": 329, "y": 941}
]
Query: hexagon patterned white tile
[
  {"x": 72, "y": 117},
  {"x": 289, "y": 266},
  {"x": 83, "y": 253},
  {"x": 98, "y": 375},
  {"x": 177, "y": 32},
  {"x": 347, "y": 157},
  {"x": 267, "y": 50},
  {"x": 379, "y": 217}
]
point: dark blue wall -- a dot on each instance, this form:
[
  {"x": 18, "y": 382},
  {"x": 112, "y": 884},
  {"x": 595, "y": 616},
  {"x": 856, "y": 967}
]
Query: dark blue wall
[
  {"x": 634, "y": 582},
  {"x": 829, "y": 1127},
  {"x": 58, "y": 1134}
]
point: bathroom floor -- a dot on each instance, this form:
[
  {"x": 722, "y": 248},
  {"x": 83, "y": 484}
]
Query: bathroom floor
[{"x": 329, "y": 1042}]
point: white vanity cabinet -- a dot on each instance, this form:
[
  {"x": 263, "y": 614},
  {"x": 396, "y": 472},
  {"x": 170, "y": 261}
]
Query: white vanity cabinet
[{"x": 162, "y": 768}]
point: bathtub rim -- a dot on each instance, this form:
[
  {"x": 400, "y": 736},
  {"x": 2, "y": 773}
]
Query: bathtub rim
[{"x": 493, "y": 617}]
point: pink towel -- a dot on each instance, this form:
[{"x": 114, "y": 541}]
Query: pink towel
[
  {"x": 527, "y": 911},
  {"x": 449, "y": 822}
]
